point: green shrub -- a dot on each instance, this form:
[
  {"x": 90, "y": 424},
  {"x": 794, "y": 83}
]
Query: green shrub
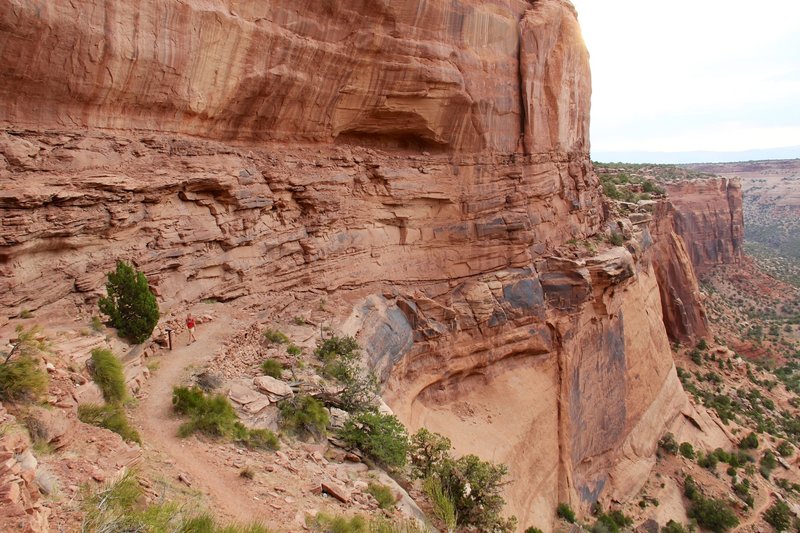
[
  {"x": 381, "y": 437},
  {"x": 696, "y": 357},
  {"x": 107, "y": 372},
  {"x": 565, "y": 511},
  {"x": 533, "y": 530},
  {"x": 129, "y": 304},
  {"x": 668, "y": 444},
  {"x": 21, "y": 379},
  {"x": 611, "y": 522},
  {"x": 272, "y": 368},
  {"x": 293, "y": 350},
  {"x": 708, "y": 461},
  {"x": 427, "y": 451},
  {"x": 690, "y": 489},
  {"x": 768, "y": 464},
  {"x": 340, "y": 358},
  {"x": 750, "y": 442},
  {"x": 785, "y": 449},
  {"x": 687, "y": 450},
  {"x": 215, "y": 416},
  {"x": 257, "y": 439},
  {"x": 275, "y": 337},
  {"x": 110, "y": 416},
  {"x": 711, "y": 514},
  {"x": 616, "y": 239},
  {"x": 779, "y": 516},
  {"x": 382, "y": 494},
  {"x": 304, "y": 415},
  {"x": 673, "y": 527},
  {"x": 702, "y": 345},
  {"x": 475, "y": 487},
  {"x": 444, "y": 507}
]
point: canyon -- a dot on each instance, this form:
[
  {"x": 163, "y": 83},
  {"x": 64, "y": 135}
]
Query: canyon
[{"x": 422, "y": 167}]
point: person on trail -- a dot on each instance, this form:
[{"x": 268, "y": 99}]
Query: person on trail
[{"x": 190, "y": 324}]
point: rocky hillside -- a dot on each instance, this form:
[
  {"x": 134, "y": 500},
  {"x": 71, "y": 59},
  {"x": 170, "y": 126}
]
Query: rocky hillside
[{"x": 420, "y": 170}]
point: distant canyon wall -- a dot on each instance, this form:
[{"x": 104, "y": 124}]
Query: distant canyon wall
[
  {"x": 420, "y": 162},
  {"x": 708, "y": 215}
]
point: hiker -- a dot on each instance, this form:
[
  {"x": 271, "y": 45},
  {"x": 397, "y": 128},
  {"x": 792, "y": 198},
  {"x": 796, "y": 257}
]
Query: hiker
[{"x": 190, "y": 324}]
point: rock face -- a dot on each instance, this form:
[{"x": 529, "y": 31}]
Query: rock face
[
  {"x": 422, "y": 162},
  {"x": 439, "y": 75},
  {"x": 709, "y": 217}
]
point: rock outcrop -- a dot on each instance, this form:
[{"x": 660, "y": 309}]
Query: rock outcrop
[
  {"x": 422, "y": 162},
  {"x": 709, "y": 217}
]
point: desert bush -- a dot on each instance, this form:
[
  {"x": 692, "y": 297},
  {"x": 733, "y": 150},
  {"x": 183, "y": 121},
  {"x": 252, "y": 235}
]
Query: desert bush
[
  {"x": 304, "y": 415},
  {"x": 107, "y": 372},
  {"x": 381, "y": 437},
  {"x": 673, "y": 527},
  {"x": 21, "y": 379},
  {"x": 294, "y": 350},
  {"x": 533, "y": 530},
  {"x": 275, "y": 337},
  {"x": 129, "y": 304},
  {"x": 214, "y": 415},
  {"x": 382, "y": 494},
  {"x": 711, "y": 514},
  {"x": 110, "y": 416},
  {"x": 256, "y": 439},
  {"x": 426, "y": 452},
  {"x": 687, "y": 450},
  {"x": 690, "y": 489},
  {"x": 340, "y": 358},
  {"x": 616, "y": 239},
  {"x": 247, "y": 473},
  {"x": 475, "y": 487},
  {"x": 750, "y": 442},
  {"x": 668, "y": 444},
  {"x": 611, "y": 522},
  {"x": 565, "y": 511},
  {"x": 779, "y": 516},
  {"x": 768, "y": 464},
  {"x": 272, "y": 368},
  {"x": 785, "y": 449},
  {"x": 702, "y": 345},
  {"x": 444, "y": 507}
]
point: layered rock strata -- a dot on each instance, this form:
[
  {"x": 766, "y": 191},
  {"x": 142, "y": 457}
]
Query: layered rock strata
[
  {"x": 423, "y": 162},
  {"x": 709, "y": 217}
]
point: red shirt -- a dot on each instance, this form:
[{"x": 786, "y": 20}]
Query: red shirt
[{"x": 190, "y": 323}]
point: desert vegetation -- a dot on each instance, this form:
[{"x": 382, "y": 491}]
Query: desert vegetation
[{"x": 129, "y": 304}]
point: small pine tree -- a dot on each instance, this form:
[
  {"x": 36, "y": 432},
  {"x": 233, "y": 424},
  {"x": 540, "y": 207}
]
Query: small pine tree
[{"x": 130, "y": 305}]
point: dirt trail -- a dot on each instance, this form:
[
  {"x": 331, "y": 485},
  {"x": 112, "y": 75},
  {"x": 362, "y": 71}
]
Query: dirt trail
[{"x": 159, "y": 426}]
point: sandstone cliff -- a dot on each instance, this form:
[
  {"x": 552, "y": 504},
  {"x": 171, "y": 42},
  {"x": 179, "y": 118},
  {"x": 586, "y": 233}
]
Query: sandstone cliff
[
  {"x": 709, "y": 216},
  {"x": 421, "y": 163}
]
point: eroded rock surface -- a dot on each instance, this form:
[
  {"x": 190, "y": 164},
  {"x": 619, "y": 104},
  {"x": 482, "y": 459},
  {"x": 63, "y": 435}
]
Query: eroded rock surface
[{"x": 422, "y": 162}]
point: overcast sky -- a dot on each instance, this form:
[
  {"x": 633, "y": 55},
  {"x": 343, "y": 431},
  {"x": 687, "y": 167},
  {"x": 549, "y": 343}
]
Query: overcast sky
[{"x": 693, "y": 75}]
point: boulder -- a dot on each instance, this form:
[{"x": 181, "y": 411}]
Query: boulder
[{"x": 275, "y": 389}]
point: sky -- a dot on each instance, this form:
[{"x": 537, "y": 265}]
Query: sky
[{"x": 693, "y": 75}]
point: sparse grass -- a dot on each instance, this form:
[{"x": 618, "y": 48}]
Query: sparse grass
[
  {"x": 247, "y": 473},
  {"x": 304, "y": 415},
  {"x": 96, "y": 324},
  {"x": 112, "y": 417},
  {"x": 294, "y": 350},
  {"x": 107, "y": 372},
  {"x": 382, "y": 494},
  {"x": 213, "y": 415},
  {"x": 338, "y": 524},
  {"x": 25, "y": 314},
  {"x": 117, "y": 507},
  {"x": 444, "y": 508},
  {"x": 275, "y": 337},
  {"x": 272, "y": 368},
  {"x": 21, "y": 379}
]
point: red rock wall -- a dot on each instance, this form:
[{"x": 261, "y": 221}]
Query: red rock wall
[
  {"x": 461, "y": 75},
  {"x": 708, "y": 215},
  {"x": 420, "y": 161}
]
